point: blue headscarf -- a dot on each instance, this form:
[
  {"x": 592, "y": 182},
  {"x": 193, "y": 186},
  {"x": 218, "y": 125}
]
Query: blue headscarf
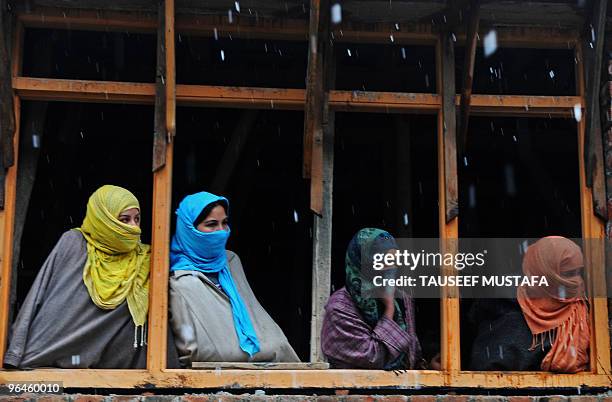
[{"x": 205, "y": 252}]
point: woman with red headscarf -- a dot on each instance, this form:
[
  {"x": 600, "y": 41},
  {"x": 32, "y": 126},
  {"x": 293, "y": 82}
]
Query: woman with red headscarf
[
  {"x": 558, "y": 312},
  {"x": 547, "y": 327}
]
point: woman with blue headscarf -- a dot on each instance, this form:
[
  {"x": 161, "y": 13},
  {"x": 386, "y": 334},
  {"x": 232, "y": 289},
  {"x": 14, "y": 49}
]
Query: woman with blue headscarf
[{"x": 213, "y": 311}]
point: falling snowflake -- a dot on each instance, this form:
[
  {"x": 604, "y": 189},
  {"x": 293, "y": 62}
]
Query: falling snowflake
[
  {"x": 490, "y": 43},
  {"x": 336, "y": 13}
]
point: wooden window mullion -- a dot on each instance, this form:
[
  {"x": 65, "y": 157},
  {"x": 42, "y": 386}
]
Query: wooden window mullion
[
  {"x": 7, "y": 216},
  {"x": 162, "y": 200},
  {"x": 447, "y": 201},
  {"x": 593, "y": 231}
]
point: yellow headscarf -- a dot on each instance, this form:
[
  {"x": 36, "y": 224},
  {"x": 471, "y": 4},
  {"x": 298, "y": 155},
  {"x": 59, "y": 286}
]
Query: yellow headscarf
[{"x": 117, "y": 266}]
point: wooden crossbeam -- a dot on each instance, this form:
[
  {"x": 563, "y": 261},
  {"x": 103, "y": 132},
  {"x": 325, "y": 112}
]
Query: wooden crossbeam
[
  {"x": 245, "y": 97},
  {"x": 90, "y": 20},
  {"x": 289, "y": 29},
  {"x": 287, "y": 99},
  {"x": 83, "y": 91}
]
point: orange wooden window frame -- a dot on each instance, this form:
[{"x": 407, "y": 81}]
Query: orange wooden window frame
[{"x": 156, "y": 375}]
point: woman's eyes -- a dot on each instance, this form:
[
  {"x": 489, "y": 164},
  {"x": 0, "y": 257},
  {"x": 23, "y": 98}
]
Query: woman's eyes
[
  {"x": 126, "y": 220},
  {"x": 215, "y": 224}
]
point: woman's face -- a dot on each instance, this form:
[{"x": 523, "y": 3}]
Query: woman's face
[
  {"x": 216, "y": 220},
  {"x": 130, "y": 217}
]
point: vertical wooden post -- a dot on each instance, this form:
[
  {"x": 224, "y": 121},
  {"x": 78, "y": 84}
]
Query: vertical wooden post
[
  {"x": 593, "y": 232},
  {"x": 319, "y": 126},
  {"x": 318, "y": 41},
  {"x": 321, "y": 249},
  {"x": 593, "y": 145},
  {"x": 7, "y": 128},
  {"x": 7, "y": 216},
  {"x": 162, "y": 199},
  {"x": 17, "y": 60},
  {"x": 160, "y": 137},
  {"x": 447, "y": 201},
  {"x": 160, "y": 260},
  {"x": 313, "y": 61},
  {"x": 468, "y": 72},
  {"x": 170, "y": 70},
  {"x": 7, "y": 220}
]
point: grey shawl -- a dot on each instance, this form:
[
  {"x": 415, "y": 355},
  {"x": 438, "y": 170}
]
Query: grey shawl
[
  {"x": 201, "y": 319},
  {"x": 59, "y": 326}
]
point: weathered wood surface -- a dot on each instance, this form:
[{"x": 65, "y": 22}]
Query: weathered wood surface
[
  {"x": 259, "y": 366},
  {"x": 468, "y": 73},
  {"x": 288, "y": 99},
  {"x": 553, "y": 13},
  {"x": 170, "y": 41},
  {"x": 450, "y": 347},
  {"x": 593, "y": 152},
  {"x": 324, "y": 119},
  {"x": 7, "y": 218},
  {"x": 321, "y": 173},
  {"x": 450, "y": 123},
  {"x": 313, "y": 112},
  {"x": 7, "y": 116},
  {"x": 162, "y": 204},
  {"x": 322, "y": 241},
  {"x": 296, "y": 379},
  {"x": 131, "y": 5},
  {"x": 592, "y": 229},
  {"x": 160, "y": 258},
  {"x": 159, "y": 124}
]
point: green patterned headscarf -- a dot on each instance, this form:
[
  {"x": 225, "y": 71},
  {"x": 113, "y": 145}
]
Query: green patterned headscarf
[{"x": 360, "y": 254}]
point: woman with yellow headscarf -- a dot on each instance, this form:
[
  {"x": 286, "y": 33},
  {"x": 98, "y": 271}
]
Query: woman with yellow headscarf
[{"x": 88, "y": 305}]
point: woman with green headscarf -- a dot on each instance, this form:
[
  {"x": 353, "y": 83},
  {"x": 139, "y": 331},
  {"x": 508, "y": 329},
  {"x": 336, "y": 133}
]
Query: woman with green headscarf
[
  {"x": 88, "y": 305},
  {"x": 360, "y": 331}
]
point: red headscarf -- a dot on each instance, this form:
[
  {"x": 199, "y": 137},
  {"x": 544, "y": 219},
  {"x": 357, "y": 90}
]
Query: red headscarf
[{"x": 560, "y": 310}]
